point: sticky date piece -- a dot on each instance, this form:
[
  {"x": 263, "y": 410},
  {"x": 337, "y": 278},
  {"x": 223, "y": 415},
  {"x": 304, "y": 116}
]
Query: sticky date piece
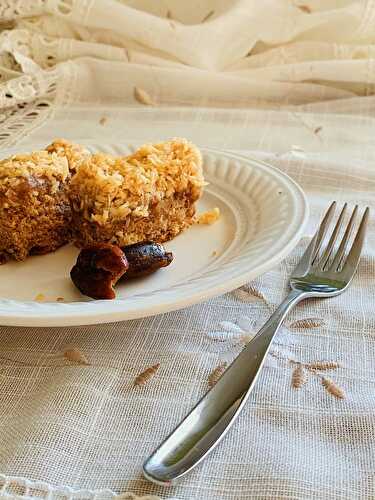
[
  {"x": 145, "y": 258},
  {"x": 98, "y": 269}
]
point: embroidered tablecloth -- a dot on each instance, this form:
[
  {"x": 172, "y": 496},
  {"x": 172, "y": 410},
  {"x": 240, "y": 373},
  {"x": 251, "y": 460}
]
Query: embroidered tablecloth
[
  {"x": 87, "y": 427},
  {"x": 78, "y": 428}
]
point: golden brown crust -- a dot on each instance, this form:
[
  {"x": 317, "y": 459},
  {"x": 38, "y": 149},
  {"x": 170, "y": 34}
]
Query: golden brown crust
[
  {"x": 31, "y": 168},
  {"x": 74, "y": 153}
]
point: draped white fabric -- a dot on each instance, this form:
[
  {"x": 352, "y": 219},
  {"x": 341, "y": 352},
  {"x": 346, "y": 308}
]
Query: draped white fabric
[{"x": 217, "y": 52}]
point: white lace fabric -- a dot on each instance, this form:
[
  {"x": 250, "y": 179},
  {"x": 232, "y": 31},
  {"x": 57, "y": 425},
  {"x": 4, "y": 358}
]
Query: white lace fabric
[
  {"x": 214, "y": 53},
  {"x": 17, "y": 488},
  {"x": 290, "y": 83}
]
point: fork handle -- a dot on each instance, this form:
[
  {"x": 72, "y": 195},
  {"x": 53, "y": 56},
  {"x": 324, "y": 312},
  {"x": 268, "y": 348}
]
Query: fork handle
[{"x": 211, "y": 418}]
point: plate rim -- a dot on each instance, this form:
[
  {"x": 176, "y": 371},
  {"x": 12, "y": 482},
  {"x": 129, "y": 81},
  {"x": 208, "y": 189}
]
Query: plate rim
[{"x": 79, "y": 317}]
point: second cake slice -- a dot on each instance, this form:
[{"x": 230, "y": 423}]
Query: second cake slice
[{"x": 149, "y": 195}]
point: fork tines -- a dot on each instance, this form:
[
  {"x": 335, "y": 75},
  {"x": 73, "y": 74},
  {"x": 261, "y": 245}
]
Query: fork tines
[{"x": 339, "y": 259}]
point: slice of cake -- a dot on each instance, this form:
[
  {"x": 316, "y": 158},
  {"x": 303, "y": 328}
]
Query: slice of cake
[
  {"x": 35, "y": 213},
  {"x": 149, "y": 195}
]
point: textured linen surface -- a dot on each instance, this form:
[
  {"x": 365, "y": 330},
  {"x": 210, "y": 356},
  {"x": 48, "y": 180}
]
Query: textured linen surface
[{"x": 87, "y": 428}]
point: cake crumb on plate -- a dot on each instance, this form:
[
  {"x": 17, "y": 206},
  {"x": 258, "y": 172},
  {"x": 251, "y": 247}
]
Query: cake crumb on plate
[{"x": 209, "y": 217}]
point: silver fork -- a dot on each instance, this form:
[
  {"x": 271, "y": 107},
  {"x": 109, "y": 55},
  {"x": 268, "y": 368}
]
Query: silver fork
[{"x": 322, "y": 272}]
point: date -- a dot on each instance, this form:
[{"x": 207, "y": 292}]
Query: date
[
  {"x": 98, "y": 269},
  {"x": 100, "y": 266},
  {"x": 145, "y": 258}
]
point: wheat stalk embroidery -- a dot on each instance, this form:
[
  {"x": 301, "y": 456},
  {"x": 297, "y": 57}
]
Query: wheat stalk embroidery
[
  {"x": 332, "y": 388},
  {"x": 301, "y": 371},
  {"x": 248, "y": 293},
  {"x": 304, "y": 8},
  {"x": 143, "y": 97},
  {"x": 75, "y": 356},
  {"x": 299, "y": 377},
  {"x": 146, "y": 375},
  {"x": 216, "y": 373},
  {"x": 306, "y": 324}
]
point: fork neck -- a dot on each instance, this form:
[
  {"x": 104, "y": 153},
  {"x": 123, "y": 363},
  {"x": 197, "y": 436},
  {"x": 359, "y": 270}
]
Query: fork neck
[
  {"x": 292, "y": 299},
  {"x": 295, "y": 294},
  {"x": 274, "y": 322}
]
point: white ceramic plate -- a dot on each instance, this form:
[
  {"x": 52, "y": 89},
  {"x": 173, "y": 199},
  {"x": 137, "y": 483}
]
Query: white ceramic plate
[{"x": 263, "y": 213}]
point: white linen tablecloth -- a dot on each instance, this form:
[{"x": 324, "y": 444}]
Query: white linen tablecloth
[
  {"x": 87, "y": 428},
  {"x": 290, "y": 82}
]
